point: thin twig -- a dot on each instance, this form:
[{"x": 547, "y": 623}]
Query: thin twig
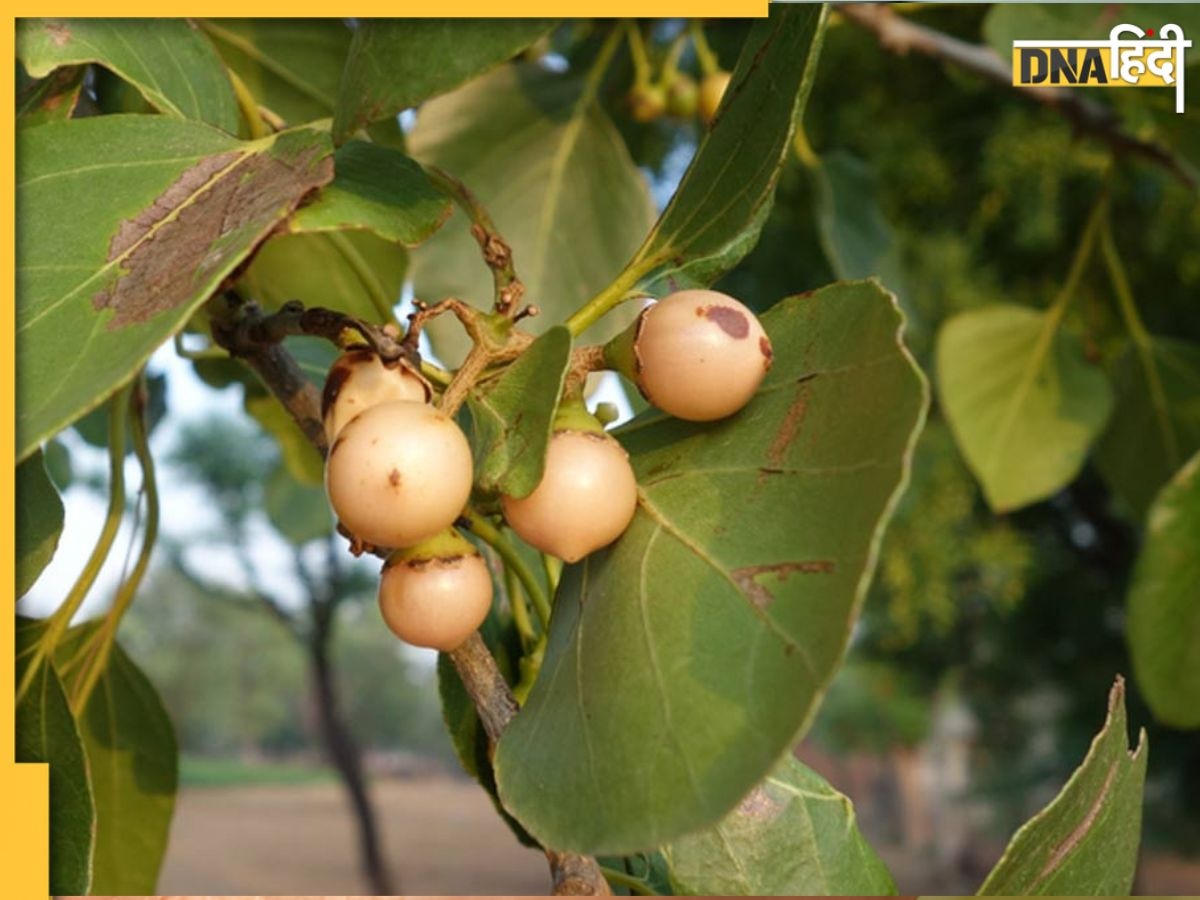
[
  {"x": 497, "y": 254},
  {"x": 901, "y": 36}
]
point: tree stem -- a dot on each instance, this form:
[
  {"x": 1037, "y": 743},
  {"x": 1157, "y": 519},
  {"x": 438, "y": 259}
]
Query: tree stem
[{"x": 490, "y": 694}]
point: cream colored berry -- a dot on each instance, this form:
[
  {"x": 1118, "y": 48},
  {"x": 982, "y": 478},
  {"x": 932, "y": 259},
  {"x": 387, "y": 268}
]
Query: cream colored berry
[
  {"x": 359, "y": 379},
  {"x": 398, "y": 473},
  {"x": 700, "y": 355},
  {"x": 712, "y": 89},
  {"x": 437, "y": 599},
  {"x": 585, "y": 500}
]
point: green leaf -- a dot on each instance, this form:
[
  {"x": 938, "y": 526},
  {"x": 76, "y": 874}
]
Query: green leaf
[
  {"x": 564, "y": 193},
  {"x": 513, "y": 416},
  {"x": 46, "y": 733},
  {"x": 300, "y": 512},
  {"x": 716, "y": 215},
  {"x": 50, "y": 99},
  {"x": 167, "y": 60},
  {"x": 1024, "y": 402},
  {"x": 1164, "y": 603},
  {"x": 792, "y": 835},
  {"x": 1155, "y": 424},
  {"x": 684, "y": 660},
  {"x": 133, "y": 761},
  {"x": 854, "y": 234},
  {"x": 290, "y": 66},
  {"x": 1085, "y": 842},
  {"x": 39, "y": 521},
  {"x": 127, "y": 224},
  {"x": 380, "y": 190},
  {"x": 355, "y": 272},
  {"x": 394, "y": 64}
]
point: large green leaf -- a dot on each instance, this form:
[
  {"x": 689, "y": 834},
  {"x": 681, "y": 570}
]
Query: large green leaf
[
  {"x": 512, "y": 417},
  {"x": 126, "y": 224},
  {"x": 1023, "y": 400},
  {"x": 377, "y": 189},
  {"x": 1164, "y": 603},
  {"x": 291, "y": 66},
  {"x": 685, "y": 660},
  {"x": 717, "y": 213},
  {"x": 39, "y": 521},
  {"x": 167, "y": 60},
  {"x": 395, "y": 64},
  {"x": 557, "y": 180},
  {"x": 1155, "y": 424},
  {"x": 45, "y": 733},
  {"x": 1085, "y": 842},
  {"x": 792, "y": 835},
  {"x": 337, "y": 270},
  {"x": 133, "y": 761}
]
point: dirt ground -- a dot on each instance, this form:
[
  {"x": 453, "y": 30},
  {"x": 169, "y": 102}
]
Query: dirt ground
[{"x": 441, "y": 835}]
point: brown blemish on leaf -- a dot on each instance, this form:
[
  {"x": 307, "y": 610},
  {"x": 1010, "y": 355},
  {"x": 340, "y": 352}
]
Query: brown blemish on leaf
[
  {"x": 731, "y": 321},
  {"x": 1071, "y": 841},
  {"x": 759, "y": 806},
  {"x": 163, "y": 251},
  {"x": 747, "y": 577},
  {"x": 58, "y": 32},
  {"x": 789, "y": 428}
]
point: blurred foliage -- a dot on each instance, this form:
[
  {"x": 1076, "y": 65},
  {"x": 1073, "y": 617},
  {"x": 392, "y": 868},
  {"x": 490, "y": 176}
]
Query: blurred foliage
[{"x": 235, "y": 683}]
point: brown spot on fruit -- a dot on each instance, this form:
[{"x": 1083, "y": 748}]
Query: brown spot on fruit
[
  {"x": 334, "y": 381},
  {"x": 181, "y": 238},
  {"x": 764, "y": 346},
  {"x": 732, "y": 322},
  {"x": 394, "y": 478}
]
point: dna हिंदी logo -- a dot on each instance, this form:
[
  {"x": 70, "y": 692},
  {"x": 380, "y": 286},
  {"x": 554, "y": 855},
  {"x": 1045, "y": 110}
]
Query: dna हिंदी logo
[{"x": 1129, "y": 57}]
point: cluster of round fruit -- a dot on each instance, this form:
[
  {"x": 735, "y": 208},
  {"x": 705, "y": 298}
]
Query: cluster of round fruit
[
  {"x": 399, "y": 470},
  {"x": 680, "y": 97}
]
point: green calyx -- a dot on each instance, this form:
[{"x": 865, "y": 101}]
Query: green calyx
[
  {"x": 620, "y": 353},
  {"x": 448, "y": 544},
  {"x": 572, "y": 415}
]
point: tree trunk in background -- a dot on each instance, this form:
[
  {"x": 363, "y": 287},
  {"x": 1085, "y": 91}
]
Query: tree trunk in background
[{"x": 346, "y": 758}]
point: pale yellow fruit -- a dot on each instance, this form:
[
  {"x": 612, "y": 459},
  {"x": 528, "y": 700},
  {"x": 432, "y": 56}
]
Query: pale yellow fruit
[
  {"x": 585, "y": 500},
  {"x": 700, "y": 355},
  {"x": 359, "y": 379},
  {"x": 436, "y": 602},
  {"x": 398, "y": 473},
  {"x": 712, "y": 89}
]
